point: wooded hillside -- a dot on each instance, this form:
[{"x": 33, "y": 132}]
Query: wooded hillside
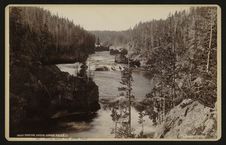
[
  {"x": 181, "y": 54},
  {"x": 58, "y": 38}
]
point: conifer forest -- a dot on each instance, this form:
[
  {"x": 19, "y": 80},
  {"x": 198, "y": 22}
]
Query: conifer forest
[{"x": 157, "y": 79}]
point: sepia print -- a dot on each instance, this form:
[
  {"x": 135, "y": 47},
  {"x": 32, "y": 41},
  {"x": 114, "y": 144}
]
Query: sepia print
[{"x": 113, "y": 72}]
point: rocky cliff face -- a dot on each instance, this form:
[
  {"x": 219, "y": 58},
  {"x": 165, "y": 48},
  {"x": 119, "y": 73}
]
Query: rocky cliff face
[
  {"x": 38, "y": 91},
  {"x": 189, "y": 120}
]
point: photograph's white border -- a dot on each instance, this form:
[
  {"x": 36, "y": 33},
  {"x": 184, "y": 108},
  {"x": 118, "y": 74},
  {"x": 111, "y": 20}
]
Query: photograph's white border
[{"x": 219, "y": 81}]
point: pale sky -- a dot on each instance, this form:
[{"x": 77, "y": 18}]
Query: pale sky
[{"x": 112, "y": 17}]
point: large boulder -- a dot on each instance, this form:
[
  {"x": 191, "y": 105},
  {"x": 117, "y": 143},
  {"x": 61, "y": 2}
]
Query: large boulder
[
  {"x": 123, "y": 51},
  {"x": 102, "y": 68}
]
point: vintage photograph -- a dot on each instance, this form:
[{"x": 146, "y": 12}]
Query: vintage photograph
[{"x": 113, "y": 72}]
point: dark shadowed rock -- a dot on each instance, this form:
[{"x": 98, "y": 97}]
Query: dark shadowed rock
[
  {"x": 134, "y": 63},
  {"x": 39, "y": 91},
  {"x": 102, "y": 68},
  {"x": 114, "y": 51}
]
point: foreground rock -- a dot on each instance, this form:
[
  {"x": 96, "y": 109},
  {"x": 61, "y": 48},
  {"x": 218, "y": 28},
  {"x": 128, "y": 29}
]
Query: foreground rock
[
  {"x": 38, "y": 91},
  {"x": 189, "y": 120}
]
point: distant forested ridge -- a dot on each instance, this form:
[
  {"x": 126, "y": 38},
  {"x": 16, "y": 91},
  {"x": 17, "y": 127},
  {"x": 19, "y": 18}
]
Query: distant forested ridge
[
  {"x": 57, "y": 38},
  {"x": 115, "y": 38}
]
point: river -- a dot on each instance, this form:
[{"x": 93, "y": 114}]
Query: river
[{"x": 108, "y": 83}]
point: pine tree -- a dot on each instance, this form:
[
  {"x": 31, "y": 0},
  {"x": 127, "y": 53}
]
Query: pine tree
[{"x": 123, "y": 128}]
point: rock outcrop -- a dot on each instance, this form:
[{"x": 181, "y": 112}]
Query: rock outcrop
[
  {"x": 38, "y": 91},
  {"x": 189, "y": 120}
]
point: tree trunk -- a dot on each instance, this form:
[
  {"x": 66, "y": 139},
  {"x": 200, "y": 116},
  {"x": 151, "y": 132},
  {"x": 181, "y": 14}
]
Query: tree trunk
[
  {"x": 129, "y": 93},
  {"x": 164, "y": 108},
  {"x": 174, "y": 62},
  {"x": 210, "y": 42},
  {"x": 115, "y": 128}
]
